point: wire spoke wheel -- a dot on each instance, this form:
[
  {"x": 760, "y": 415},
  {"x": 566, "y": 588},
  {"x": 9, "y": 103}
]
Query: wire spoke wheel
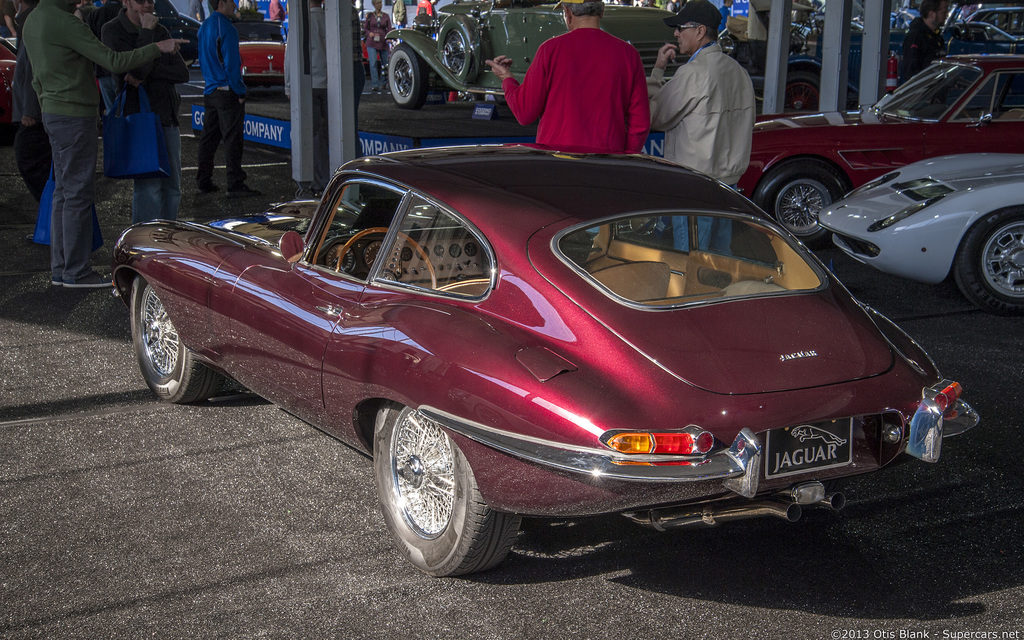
[
  {"x": 160, "y": 338},
  {"x": 453, "y": 52},
  {"x": 424, "y": 476},
  {"x": 800, "y": 204}
]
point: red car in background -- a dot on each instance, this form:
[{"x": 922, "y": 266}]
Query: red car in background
[
  {"x": 261, "y": 47},
  {"x": 962, "y": 104},
  {"x": 7, "y": 58}
]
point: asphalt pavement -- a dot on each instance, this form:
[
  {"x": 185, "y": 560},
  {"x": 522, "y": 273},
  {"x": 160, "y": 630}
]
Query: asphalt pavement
[{"x": 121, "y": 517}]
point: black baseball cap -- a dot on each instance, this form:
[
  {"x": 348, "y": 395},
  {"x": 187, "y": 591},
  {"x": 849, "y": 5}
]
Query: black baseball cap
[{"x": 696, "y": 11}]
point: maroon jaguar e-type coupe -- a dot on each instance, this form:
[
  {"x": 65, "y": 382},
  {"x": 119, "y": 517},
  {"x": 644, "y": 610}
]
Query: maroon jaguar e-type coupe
[{"x": 514, "y": 332}]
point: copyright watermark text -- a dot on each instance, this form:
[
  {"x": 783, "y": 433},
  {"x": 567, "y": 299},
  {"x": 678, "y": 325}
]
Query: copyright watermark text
[{"x": 922, "y": 634}]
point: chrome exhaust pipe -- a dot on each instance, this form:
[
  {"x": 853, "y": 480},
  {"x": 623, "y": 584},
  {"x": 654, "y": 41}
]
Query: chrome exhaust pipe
[
  {"x": 710, "y": 515},
  {"x": 834, "y": 501}
]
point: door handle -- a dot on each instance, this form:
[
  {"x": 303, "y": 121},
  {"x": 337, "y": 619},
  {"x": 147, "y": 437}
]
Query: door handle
[{"x": 330, "y": 310}]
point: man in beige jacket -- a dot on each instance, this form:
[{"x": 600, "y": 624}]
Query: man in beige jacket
[
  {"x": 707, "y": 108},
  {"x": 706, "y": 111}
]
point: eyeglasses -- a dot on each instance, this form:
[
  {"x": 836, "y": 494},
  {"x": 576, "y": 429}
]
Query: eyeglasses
[{"x": 680, "y": 27}]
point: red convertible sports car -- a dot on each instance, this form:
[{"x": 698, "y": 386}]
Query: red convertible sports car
[
  {"x": 963, "y": 104},
  {"x": 515, "y": 332}
]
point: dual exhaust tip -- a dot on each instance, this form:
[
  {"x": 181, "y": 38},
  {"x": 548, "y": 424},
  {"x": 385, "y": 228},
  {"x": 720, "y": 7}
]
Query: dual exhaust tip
[{"x": 787, "y": 505}]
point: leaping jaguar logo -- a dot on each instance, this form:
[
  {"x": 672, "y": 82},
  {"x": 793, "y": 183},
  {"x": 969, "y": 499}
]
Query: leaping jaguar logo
[{"x": 806, "y": 432}]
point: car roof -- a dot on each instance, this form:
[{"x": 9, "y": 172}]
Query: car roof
[
  {"x": 988, "y": 60},
  {"x": 520, "y": 186}
]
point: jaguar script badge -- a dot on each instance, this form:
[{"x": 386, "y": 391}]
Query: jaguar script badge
[{"x": 796, "y": 355}]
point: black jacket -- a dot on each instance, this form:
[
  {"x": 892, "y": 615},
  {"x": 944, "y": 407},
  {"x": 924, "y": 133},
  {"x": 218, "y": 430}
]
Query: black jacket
[
  {"x": 158, "y": 77},
  {"x": 99, "y": 17},
  {"x": 920, "y": 47}
]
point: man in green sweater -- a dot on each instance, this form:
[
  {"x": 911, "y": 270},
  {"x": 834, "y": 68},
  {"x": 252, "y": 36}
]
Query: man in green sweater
[{"x": 63, "y": 50}]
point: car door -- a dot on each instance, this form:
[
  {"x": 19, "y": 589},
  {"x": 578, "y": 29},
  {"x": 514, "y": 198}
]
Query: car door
[
  {"x": 991, "y": 119},
  {"x": 285, "y": 313},
  {"x": 432, "y": 261}
]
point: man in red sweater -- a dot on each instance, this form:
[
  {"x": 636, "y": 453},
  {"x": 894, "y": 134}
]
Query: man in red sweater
[{"x": 604, "y": 110}]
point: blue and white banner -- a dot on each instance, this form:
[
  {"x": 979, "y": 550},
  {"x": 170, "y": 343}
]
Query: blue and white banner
[{"x": 277, "y": 133}]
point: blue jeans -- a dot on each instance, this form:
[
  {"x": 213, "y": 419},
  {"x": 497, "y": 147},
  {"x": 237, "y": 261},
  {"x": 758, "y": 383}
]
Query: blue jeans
[
  {"x": 75, "y": 144},
  {"x": 375, "y": 80},
  {"x": 108, "y": 91},
  {"x": 158, "y": 198}
]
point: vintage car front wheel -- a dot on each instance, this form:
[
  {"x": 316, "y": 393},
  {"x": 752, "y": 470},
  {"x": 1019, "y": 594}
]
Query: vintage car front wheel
[
  {"x": 989, "y": 266},
  {"x": 796, "y": 193},
  {"x": 171, "y": 371},
  {"x": 430, "y": 501},
  {"x": 408, "y": 77}
]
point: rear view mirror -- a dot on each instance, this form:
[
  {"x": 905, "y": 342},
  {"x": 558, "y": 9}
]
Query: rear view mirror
[{"x": 292, "y": 246}]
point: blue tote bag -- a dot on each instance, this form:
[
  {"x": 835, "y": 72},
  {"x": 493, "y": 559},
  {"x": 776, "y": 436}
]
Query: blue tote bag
[
  {"x": 42, "y": 232},
  {"x": 134, "y": 145}
]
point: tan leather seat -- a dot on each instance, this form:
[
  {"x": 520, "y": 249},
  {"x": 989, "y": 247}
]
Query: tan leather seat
[
  {"x": 1012, "y": 114},
  {"x": 638, "y": 281}
]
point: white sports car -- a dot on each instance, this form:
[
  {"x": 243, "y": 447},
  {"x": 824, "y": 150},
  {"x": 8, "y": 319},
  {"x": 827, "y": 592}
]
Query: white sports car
[{"x": 961, "y": 213}]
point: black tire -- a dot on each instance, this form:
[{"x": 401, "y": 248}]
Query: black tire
[
  {"x": 430, "y": 500},
  {"x": 408, "y": 78},
  {"x": 803, "y": 91},
  {"x": 170, "y": 370},
  {"x": 796, "y": 193},
  {"x": 990, "y": 262}
]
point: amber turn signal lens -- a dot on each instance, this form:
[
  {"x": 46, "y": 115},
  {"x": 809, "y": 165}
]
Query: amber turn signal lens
[{"x": 631, "y": 442}]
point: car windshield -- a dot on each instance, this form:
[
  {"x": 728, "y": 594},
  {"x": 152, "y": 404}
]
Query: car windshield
[
  {"x": 930, "y": 94},
  {"x": 667, "y": 259}
]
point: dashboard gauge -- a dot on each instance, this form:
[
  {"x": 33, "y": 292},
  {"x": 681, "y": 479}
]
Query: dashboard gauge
[
  {"x": 439, "y": 251},
  {"x": 470, "y": 249},
  {"x": 406, "y": 254},
  {"x": 455, "y": 251},
  {"x": 348, "y": 263},
  {"x": 371, "y": 251}
]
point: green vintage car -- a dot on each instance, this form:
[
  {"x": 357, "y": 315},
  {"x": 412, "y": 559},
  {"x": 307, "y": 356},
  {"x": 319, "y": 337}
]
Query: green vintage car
[{"x": 449, "y": 50}]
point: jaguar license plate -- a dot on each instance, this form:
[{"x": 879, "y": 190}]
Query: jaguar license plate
[{"x": 808, "y": 447}]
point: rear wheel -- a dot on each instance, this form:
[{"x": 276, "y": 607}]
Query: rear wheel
[
  {"x": 796, "y": 193},
  {"x": 408, "y": 77},
  {"x": 430, "y": 500},
  {"x": 171, "y": 371},
  {"x": 989, "y": 266}
]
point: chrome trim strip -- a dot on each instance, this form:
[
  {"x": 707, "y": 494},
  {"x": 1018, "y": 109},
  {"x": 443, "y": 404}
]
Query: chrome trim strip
[{"x": 598, "y": 462}]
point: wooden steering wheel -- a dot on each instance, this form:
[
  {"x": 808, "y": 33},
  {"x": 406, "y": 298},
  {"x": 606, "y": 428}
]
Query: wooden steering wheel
[{"x": 383, "y": 230}]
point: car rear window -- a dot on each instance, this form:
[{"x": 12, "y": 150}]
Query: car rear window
[{"x": 664, "y": 260}]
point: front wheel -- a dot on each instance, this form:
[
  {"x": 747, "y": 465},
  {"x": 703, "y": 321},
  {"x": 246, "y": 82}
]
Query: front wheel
[
  {"x": 171, "y": 371},
  {"x": 797, "y": 193},
  {"x": 430, "y": 500},
  {"x": 989, "y": 266},
  {"x": 408, "y": 77}
]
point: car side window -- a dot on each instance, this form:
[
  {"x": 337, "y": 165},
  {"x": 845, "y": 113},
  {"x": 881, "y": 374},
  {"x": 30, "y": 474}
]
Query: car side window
[
  {"x": 1002, "y": 96},
  {"x": 435, "y": 250},
  {"x": 360, "y": 217}
]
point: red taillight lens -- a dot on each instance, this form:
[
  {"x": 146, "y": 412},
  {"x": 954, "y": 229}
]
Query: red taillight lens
[
  {"x": 680, "y": 443},
  {"x": 948, "y": 396}
]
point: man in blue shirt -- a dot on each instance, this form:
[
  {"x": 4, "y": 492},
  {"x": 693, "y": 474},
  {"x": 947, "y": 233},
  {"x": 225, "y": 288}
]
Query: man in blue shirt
[{"x": 223, "y": 100}]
